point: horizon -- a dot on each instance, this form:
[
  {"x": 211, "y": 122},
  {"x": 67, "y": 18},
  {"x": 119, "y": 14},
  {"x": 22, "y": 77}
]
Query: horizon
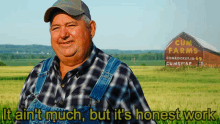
[{"x": 51, "y": 47}]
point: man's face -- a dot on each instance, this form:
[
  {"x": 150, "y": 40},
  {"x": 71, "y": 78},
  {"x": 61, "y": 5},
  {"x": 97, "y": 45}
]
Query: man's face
[{"x": 70, "y": 37}]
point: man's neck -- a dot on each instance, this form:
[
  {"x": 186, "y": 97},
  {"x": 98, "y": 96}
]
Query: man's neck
[
  {"x": 70, "y": 63},
  {"x": 64, "y": 68}
]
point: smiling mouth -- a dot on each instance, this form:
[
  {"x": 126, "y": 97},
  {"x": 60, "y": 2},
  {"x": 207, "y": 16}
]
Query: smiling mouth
[{"x": 66, "y": 42}]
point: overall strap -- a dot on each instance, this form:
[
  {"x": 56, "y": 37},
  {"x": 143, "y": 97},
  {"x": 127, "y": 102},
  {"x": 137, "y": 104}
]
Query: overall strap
[
  {"x": 42, "y": 76},
  {"x": 104, "y": 80}
]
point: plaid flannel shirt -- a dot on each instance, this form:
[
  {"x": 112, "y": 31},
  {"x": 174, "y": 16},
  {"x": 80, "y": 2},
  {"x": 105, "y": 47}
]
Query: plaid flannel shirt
[{"x": 74, "y": 90}]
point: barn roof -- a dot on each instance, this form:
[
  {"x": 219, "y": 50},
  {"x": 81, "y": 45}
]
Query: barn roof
[{"x": 202, "y": 43}]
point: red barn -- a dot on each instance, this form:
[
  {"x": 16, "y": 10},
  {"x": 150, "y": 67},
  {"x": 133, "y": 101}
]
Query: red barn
[{"x": 186, "y": 49}]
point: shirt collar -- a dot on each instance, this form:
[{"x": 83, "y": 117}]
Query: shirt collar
[{"x": 82, "y": 68}]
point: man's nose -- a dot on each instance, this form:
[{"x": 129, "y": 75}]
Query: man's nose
[{"x": 64, "y": 33}]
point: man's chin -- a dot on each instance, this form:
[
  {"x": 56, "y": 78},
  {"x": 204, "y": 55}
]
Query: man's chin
[
  {"x": 68, "y": 55},
  {"x": 62, "y": 54}
]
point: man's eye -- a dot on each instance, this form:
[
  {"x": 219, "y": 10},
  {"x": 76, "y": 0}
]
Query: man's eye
[
  {"x": 71, "y": 25},
  {"x": 54, "y": 28}
]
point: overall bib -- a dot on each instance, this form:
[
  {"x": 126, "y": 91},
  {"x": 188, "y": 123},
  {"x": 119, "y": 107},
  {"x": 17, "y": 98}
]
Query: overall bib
[{"x": 96, "y": 94}]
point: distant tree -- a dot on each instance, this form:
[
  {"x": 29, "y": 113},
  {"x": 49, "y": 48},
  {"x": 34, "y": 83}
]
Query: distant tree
[
  {"x": 2, "y": 64},
  {"x": 32, "y": 56}
]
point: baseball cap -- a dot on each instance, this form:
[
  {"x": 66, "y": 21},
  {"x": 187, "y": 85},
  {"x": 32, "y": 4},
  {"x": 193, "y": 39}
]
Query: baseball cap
[{"x": 72, "y": 7}]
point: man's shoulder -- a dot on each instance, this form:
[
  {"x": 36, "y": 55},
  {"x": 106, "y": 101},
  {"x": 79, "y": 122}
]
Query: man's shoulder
[
  {"x": 123, "y": 68},
  {"x": 37, "y": 68},
  {"x": 34, "y": 73}
]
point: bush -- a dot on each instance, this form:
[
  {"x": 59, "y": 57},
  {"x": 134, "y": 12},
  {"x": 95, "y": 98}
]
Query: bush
[
  {"x": 2, "y": 64},
  {"x": 143, "y": 64}
]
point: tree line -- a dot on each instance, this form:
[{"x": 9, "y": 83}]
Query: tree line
[
  {"x": 36, "y": 49},
  {"x": 142, "y": 56},
  {"x": 10, "y": 56},
  {"x": 133, "y": 57}
]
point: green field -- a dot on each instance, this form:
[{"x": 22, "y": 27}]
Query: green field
[
  {"x": 22, "y": 62},
  {"x": 145, "y": 62},
  {"x": 33, "y": 62},
  {"x": 165, "y": 90}
]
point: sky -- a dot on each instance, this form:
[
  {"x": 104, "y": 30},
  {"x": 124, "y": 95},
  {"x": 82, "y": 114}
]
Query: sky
[{"x": 121, "y": 24}]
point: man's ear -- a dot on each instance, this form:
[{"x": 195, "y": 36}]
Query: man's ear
[{"x": 92, "y": 26}]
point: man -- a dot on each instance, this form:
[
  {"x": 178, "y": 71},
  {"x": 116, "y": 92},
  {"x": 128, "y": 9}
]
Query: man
[{"x": 74, "y": 78}]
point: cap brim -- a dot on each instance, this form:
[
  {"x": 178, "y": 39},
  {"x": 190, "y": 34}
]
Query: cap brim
[{"x": 68, "y": 10}]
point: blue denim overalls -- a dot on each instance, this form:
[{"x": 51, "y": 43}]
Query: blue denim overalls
[{"x": 96, "y": 94}]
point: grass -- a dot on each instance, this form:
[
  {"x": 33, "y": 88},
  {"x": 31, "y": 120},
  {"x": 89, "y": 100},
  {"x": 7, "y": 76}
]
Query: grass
[
  {"x": 158, "y": 74},
  {"x": 187, "y": 90},
  {"x": 9, "y": 95},
  {"x": 165, "y": 90},
  {"x": 14, "y": 72},
  {"x": 15, "y": 69}
]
